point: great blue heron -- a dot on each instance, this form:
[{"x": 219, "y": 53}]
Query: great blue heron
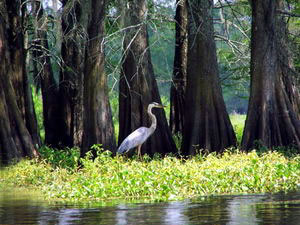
[{"x": 140, "y": 135}]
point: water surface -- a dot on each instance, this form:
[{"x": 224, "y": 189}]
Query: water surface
[{"x": 17, "y": 207}]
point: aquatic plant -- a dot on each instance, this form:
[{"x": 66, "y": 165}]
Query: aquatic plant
[{"x": 158, "y": 179}]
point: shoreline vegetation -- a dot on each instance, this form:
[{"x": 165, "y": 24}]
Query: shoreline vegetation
[{"x": 60, "y": 175}]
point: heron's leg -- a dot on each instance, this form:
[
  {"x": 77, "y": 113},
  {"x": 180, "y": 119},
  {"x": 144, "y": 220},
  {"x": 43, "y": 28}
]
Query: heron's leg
[{"x": 139, "y": 151}]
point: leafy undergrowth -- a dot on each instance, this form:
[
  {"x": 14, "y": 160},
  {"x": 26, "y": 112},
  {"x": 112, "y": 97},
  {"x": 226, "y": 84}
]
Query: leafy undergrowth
[{"x": 157, "y": 179}]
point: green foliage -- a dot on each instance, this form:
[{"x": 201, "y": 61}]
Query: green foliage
[
  {"x": 233, "y": 40},
  {"x": 178, "y": 140},
  {"x": 38, "y": 107},
  {"x": 157, "y": 179},
  {"x": 67, "y": 158},
  {"x": 114, "y": 104},
  {"x": 166, "y": 102},
  {"x": 238, "y": 123}
]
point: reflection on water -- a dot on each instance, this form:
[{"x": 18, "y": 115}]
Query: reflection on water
[
  {"x": 242, "y": 209},
  {"x": 22, "y": 208}
]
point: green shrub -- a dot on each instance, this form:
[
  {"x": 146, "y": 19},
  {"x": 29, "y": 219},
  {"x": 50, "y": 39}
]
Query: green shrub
[{"x": 67, "y": 158}]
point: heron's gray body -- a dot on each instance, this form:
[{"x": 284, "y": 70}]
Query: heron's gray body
[
  {"x": 140, "y": 135},
  {"x": 136, "y": 138}
]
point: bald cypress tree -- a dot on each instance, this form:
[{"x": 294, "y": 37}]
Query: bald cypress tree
[
  {"x": 74, "y": 24},
  {"x": 16, "y": 139},
  {"x": 207, "y": 124},
  {"x": 273, "y": 113},
  {"x": 97, "y": 117},
  {"x": 178, "y": 86},
  {"x": 138, "y": 87}
]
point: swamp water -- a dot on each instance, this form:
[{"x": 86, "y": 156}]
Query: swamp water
[{"x": 17, "y": 207}]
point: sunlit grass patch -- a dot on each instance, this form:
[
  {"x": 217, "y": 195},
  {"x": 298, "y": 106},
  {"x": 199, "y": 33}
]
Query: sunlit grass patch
[
  {"x": 158, "y": 179},
  {"x": 238, "y": 123}
]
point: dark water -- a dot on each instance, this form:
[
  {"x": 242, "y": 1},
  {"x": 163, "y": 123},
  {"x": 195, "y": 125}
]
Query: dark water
[{"x": 22, "y": 208}]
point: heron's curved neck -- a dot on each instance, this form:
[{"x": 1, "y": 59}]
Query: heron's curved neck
[{"x": 153, "y": 118}]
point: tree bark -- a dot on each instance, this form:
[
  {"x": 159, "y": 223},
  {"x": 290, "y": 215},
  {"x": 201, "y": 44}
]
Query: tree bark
[
  {"x": 271, "y": 119},
  {"x": 207, "y": 124},
  {"x": 16, "y": 43},
  {"x": 19, "y": 77},
  {"x": 177, "y": 95},
  {"x": 15, "y": 139},
  {"x": 138, "y": 87},
  {"x": 49, "y": 87},
  {"x": 71, "y": 75},
  {"x": 286, "y": 63},
  {"x": 97, "y": 117}
]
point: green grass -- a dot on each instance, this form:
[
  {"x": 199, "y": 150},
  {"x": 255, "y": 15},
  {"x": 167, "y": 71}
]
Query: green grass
[
  {"x": 238, "y": 123},
  {"x": 159, "y": 179}
]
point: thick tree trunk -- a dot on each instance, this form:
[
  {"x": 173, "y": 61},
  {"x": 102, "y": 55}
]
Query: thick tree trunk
[
  {"x": 19, "y": 78},
  {"x": 177, "y": 96},
  {"x": 98, "y": 125},
  {"x": 8, "y": 148},
  {"x": 15, "y": 140},
  {"x": 285, "y": 60},
  {"x": 271, "y": 119},
  {"x": 207, "y": 124},
  {"x": 49, "y": 86},
  {"x": 138, "y": 87},
  {"x": 16, "y": 43},
  {"x": 30, "y": 115},
  {"x": 71, "y": 75}
]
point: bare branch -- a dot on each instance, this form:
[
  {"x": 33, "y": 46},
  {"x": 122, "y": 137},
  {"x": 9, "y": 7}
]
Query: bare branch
[{"x": 288, "y": 13}]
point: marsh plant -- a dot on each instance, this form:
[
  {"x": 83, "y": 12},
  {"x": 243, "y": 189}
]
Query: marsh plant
[{"x": 63, "y": 176}]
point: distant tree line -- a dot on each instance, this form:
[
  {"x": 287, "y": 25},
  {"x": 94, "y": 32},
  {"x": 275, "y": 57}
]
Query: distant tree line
[{"x": 76, "y": 105}]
